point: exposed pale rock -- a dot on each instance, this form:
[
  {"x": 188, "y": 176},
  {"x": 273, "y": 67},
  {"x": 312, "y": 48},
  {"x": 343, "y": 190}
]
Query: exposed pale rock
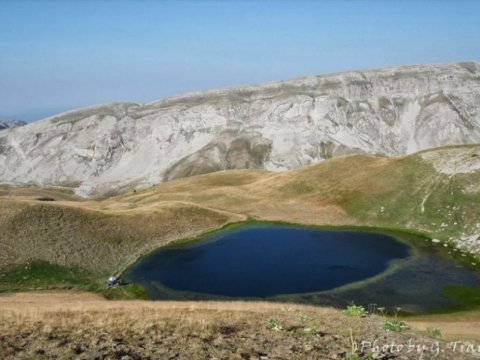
[
  {"x": 451, "y": 161},
  {"x": 10, "y": 124},
  {"x": 276, "y": 126}
]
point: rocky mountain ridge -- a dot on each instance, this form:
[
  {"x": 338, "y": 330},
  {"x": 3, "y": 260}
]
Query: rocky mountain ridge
[
  {"x": 275, "y": 126},
  {"x": 10, "y": 124}
]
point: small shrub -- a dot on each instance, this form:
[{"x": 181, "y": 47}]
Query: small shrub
[
  {"x": 274, "y": 324},
  {"x": 395, "y": 325},
  {"x": 355, "y": 311}
]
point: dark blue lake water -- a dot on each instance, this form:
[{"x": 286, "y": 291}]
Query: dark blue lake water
[{"x": 263, "y": 261}]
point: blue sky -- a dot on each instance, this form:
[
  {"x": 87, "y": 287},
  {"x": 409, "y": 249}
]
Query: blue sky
[{"x": 57, "y": 55}]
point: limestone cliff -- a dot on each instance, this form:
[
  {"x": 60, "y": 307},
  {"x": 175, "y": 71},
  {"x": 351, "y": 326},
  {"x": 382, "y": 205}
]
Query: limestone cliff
[{"x": 276, "y": 126}]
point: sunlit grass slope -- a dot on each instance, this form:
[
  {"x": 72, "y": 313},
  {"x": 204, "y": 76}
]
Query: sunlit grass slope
[{"x": 413, "y": 193}]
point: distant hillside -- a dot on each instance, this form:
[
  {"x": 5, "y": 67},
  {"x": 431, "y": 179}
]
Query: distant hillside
[
  {"x": 10, "y": 124},
  {"x": 276, "y": 126}
]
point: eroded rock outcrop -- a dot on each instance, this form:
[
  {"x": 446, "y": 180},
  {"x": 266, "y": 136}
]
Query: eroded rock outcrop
[
  {"x": 10, "y": 124},
  {"x": 276, "y": 126}
]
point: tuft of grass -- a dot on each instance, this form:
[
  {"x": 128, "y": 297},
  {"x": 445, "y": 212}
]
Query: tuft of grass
[
  {"x": 274, "y": 324},
  {"x": 355, "y": 311},
  {"x": 433, "y": 332},
  {"x": 395, "y": 324}
]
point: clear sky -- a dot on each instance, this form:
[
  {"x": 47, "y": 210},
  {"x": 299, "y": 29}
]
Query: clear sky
[{"x": 56, "y": 55}]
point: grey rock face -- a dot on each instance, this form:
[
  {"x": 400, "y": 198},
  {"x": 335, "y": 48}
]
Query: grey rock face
[
  {"x": 276, "y": 126},
  {"x": 10, "y": 124},
  {"x": 230, "y": 150}
]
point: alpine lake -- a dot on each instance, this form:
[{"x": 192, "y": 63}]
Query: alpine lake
[{"x": 313, "y": 265}]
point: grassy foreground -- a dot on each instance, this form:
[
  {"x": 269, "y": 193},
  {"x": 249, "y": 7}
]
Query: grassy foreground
[{"x": 86, "y": 326}]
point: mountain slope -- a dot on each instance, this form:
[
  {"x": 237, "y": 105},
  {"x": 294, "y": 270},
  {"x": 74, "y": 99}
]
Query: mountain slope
[
  {"x": 413, "y": 193},
  {"x": 10, "y": 124},
  {"x": 275, "y": 126}
]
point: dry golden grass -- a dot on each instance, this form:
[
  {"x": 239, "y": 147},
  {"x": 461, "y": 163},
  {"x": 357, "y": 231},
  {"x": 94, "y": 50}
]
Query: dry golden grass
[
  {"x": 67, "y": 325},
  {"x": 105, "y": 234},
  {"x": 463, "y": 325}
]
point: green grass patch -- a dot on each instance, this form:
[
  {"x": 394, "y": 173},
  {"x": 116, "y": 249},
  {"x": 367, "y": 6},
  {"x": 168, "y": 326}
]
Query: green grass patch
[
  {"x": 355, "y": 311},
  {"x": 125, "y": 292},
  {"x": 468, "y": 297},
  {"x": 40, "y": 275},
  {"x": 274, "y": 324},
  {"x": 395, "y": 325}
]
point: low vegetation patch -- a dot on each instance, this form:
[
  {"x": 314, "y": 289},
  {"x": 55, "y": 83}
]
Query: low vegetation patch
[
  {"x": 40, "y": 275},
  {"x": 274, "y": 324},
  {"x": 395, "y": 324},
  {"x": 125, "y": 292},
  {"x": 355, "y": 311},
  {"x": 467, "y": 297},
  {"x": 433, "y": 332}
]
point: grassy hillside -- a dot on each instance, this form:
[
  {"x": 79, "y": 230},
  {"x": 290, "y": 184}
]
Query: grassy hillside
[
  {"x": 413, "y": 193},
  {"x": 73, "y": 243}
]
